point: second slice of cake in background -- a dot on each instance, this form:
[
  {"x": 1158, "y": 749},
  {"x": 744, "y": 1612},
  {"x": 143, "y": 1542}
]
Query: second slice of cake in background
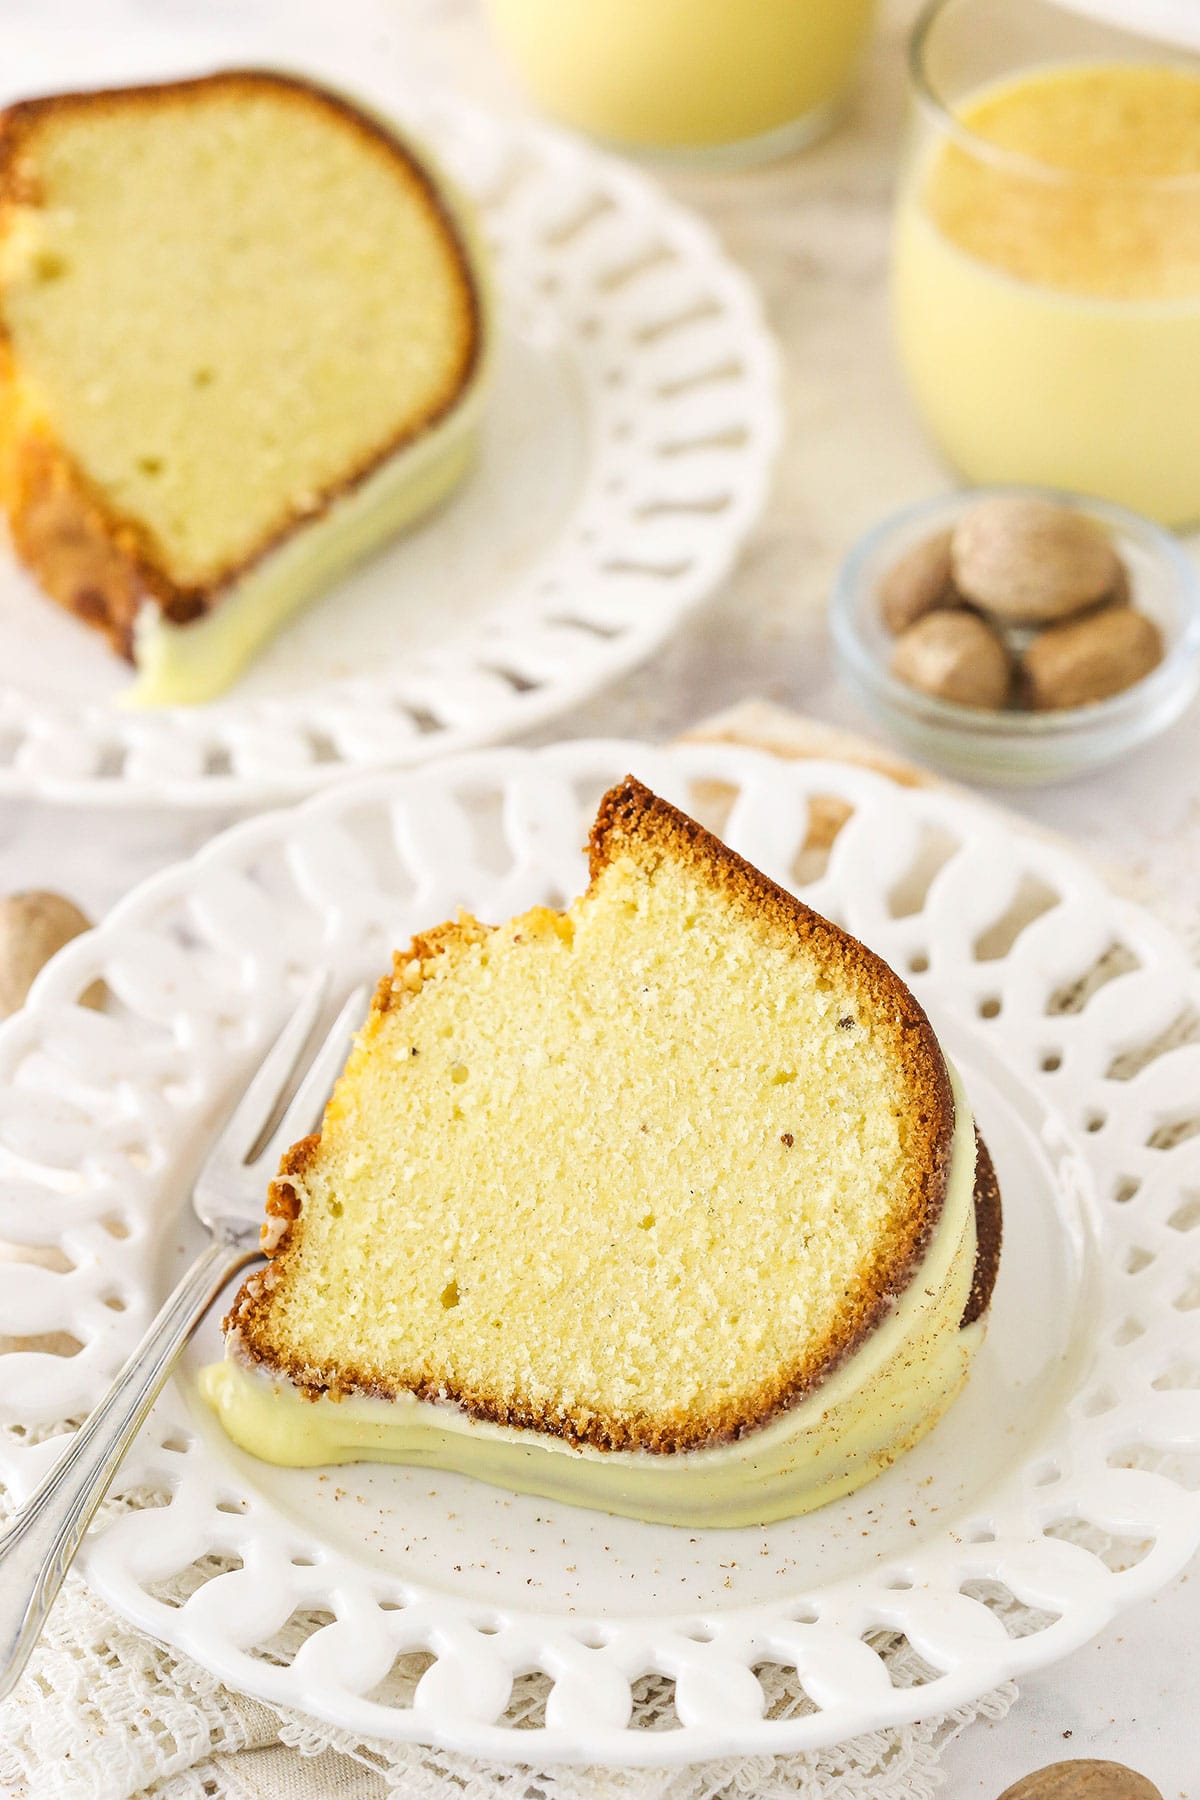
[
  {"x": 667, "y": 1204},
  {"x": 242, "y": 341}
]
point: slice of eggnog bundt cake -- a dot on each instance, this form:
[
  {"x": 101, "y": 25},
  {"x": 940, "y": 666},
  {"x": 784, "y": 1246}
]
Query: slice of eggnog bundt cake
[
  {"x": 667, "y": 1204},
  {"x": 241, "y": 344}
]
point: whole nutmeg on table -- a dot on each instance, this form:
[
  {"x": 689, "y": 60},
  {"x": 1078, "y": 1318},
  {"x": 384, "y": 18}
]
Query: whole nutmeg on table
[
  {"x": 1020, "y": 587},
  {"x": 1083, "y": 1781},
  {"x": 34, "y": 926},
  {"x": 955, "y": 656}
]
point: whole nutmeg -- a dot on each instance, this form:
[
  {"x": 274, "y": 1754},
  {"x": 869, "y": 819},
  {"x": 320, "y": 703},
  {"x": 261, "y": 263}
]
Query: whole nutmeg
[
  {"x": 1083, "y": 1781},
  {"x": 955, "y": 656},
  {"x": 1029, "y": 561},
  {"x": 1121, "y": 591},
  {"x": 33, "y": 926},
  {"x": 1089, "y": 659},
  {"x": 919, "y": 583}
]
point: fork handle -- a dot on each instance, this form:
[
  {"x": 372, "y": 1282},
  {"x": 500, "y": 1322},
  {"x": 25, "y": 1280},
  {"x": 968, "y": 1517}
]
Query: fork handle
[{"x": 39, "y": 1545}]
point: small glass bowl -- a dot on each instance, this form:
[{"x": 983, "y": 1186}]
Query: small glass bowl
[{"x": 1012, "y": 746}]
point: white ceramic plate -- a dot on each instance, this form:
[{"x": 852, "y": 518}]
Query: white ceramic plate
[
  {"x": 1059, "y": 1488},
  {"x": 628, "y": 445}
]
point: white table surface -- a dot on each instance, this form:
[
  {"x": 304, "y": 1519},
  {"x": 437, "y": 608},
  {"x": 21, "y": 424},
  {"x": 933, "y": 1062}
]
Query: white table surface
[{"x": 813, "y": 232}]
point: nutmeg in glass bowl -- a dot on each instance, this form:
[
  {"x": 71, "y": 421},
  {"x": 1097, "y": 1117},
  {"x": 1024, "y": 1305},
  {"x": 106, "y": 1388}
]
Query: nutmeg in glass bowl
[{"x": 1072, "y": 596}]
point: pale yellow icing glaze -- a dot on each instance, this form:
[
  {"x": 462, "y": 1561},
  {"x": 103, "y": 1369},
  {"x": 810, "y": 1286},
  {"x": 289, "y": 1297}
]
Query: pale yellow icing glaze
[
  {"x": 876, "y": 1406},
  {"x": 180, "y": 665}
]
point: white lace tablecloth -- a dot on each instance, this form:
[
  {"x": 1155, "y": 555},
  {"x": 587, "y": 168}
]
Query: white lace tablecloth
[{"x": 814, "y": 234}]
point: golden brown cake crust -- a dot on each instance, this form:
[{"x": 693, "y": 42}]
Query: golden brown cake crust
[
  {"x": 84, "y": 553},
  {"x": 989, "y": 1233},
  {"x": 634, "y": 821}
]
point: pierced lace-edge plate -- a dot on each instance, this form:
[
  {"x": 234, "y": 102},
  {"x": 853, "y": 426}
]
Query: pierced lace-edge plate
[
  {"x": 630, "y": 434},
  {"x": 408, "y": 1604}
]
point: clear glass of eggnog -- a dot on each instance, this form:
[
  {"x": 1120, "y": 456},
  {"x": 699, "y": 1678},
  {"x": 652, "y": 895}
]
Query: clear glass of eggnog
[
  {"x": 1046, "y": 273},
  {"x": 724, "y": 80}
]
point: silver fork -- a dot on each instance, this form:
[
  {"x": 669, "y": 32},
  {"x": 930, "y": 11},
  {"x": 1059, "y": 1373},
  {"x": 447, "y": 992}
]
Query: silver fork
[{"x": 39, "y": 1545}]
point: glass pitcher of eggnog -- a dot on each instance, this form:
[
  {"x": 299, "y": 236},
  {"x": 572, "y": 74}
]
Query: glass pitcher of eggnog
[
  {"x": 1046, "y": 272},
  {"x": 731, "y": 80}
]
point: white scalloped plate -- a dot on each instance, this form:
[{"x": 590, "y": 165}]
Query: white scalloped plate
[
  {"x": 629, "y": 441},
  {"x": 1059, "y": 1488}
]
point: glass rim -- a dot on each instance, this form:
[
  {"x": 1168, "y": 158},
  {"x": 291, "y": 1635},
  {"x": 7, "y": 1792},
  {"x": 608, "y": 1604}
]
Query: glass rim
[{"x": 925, "y": 92}]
